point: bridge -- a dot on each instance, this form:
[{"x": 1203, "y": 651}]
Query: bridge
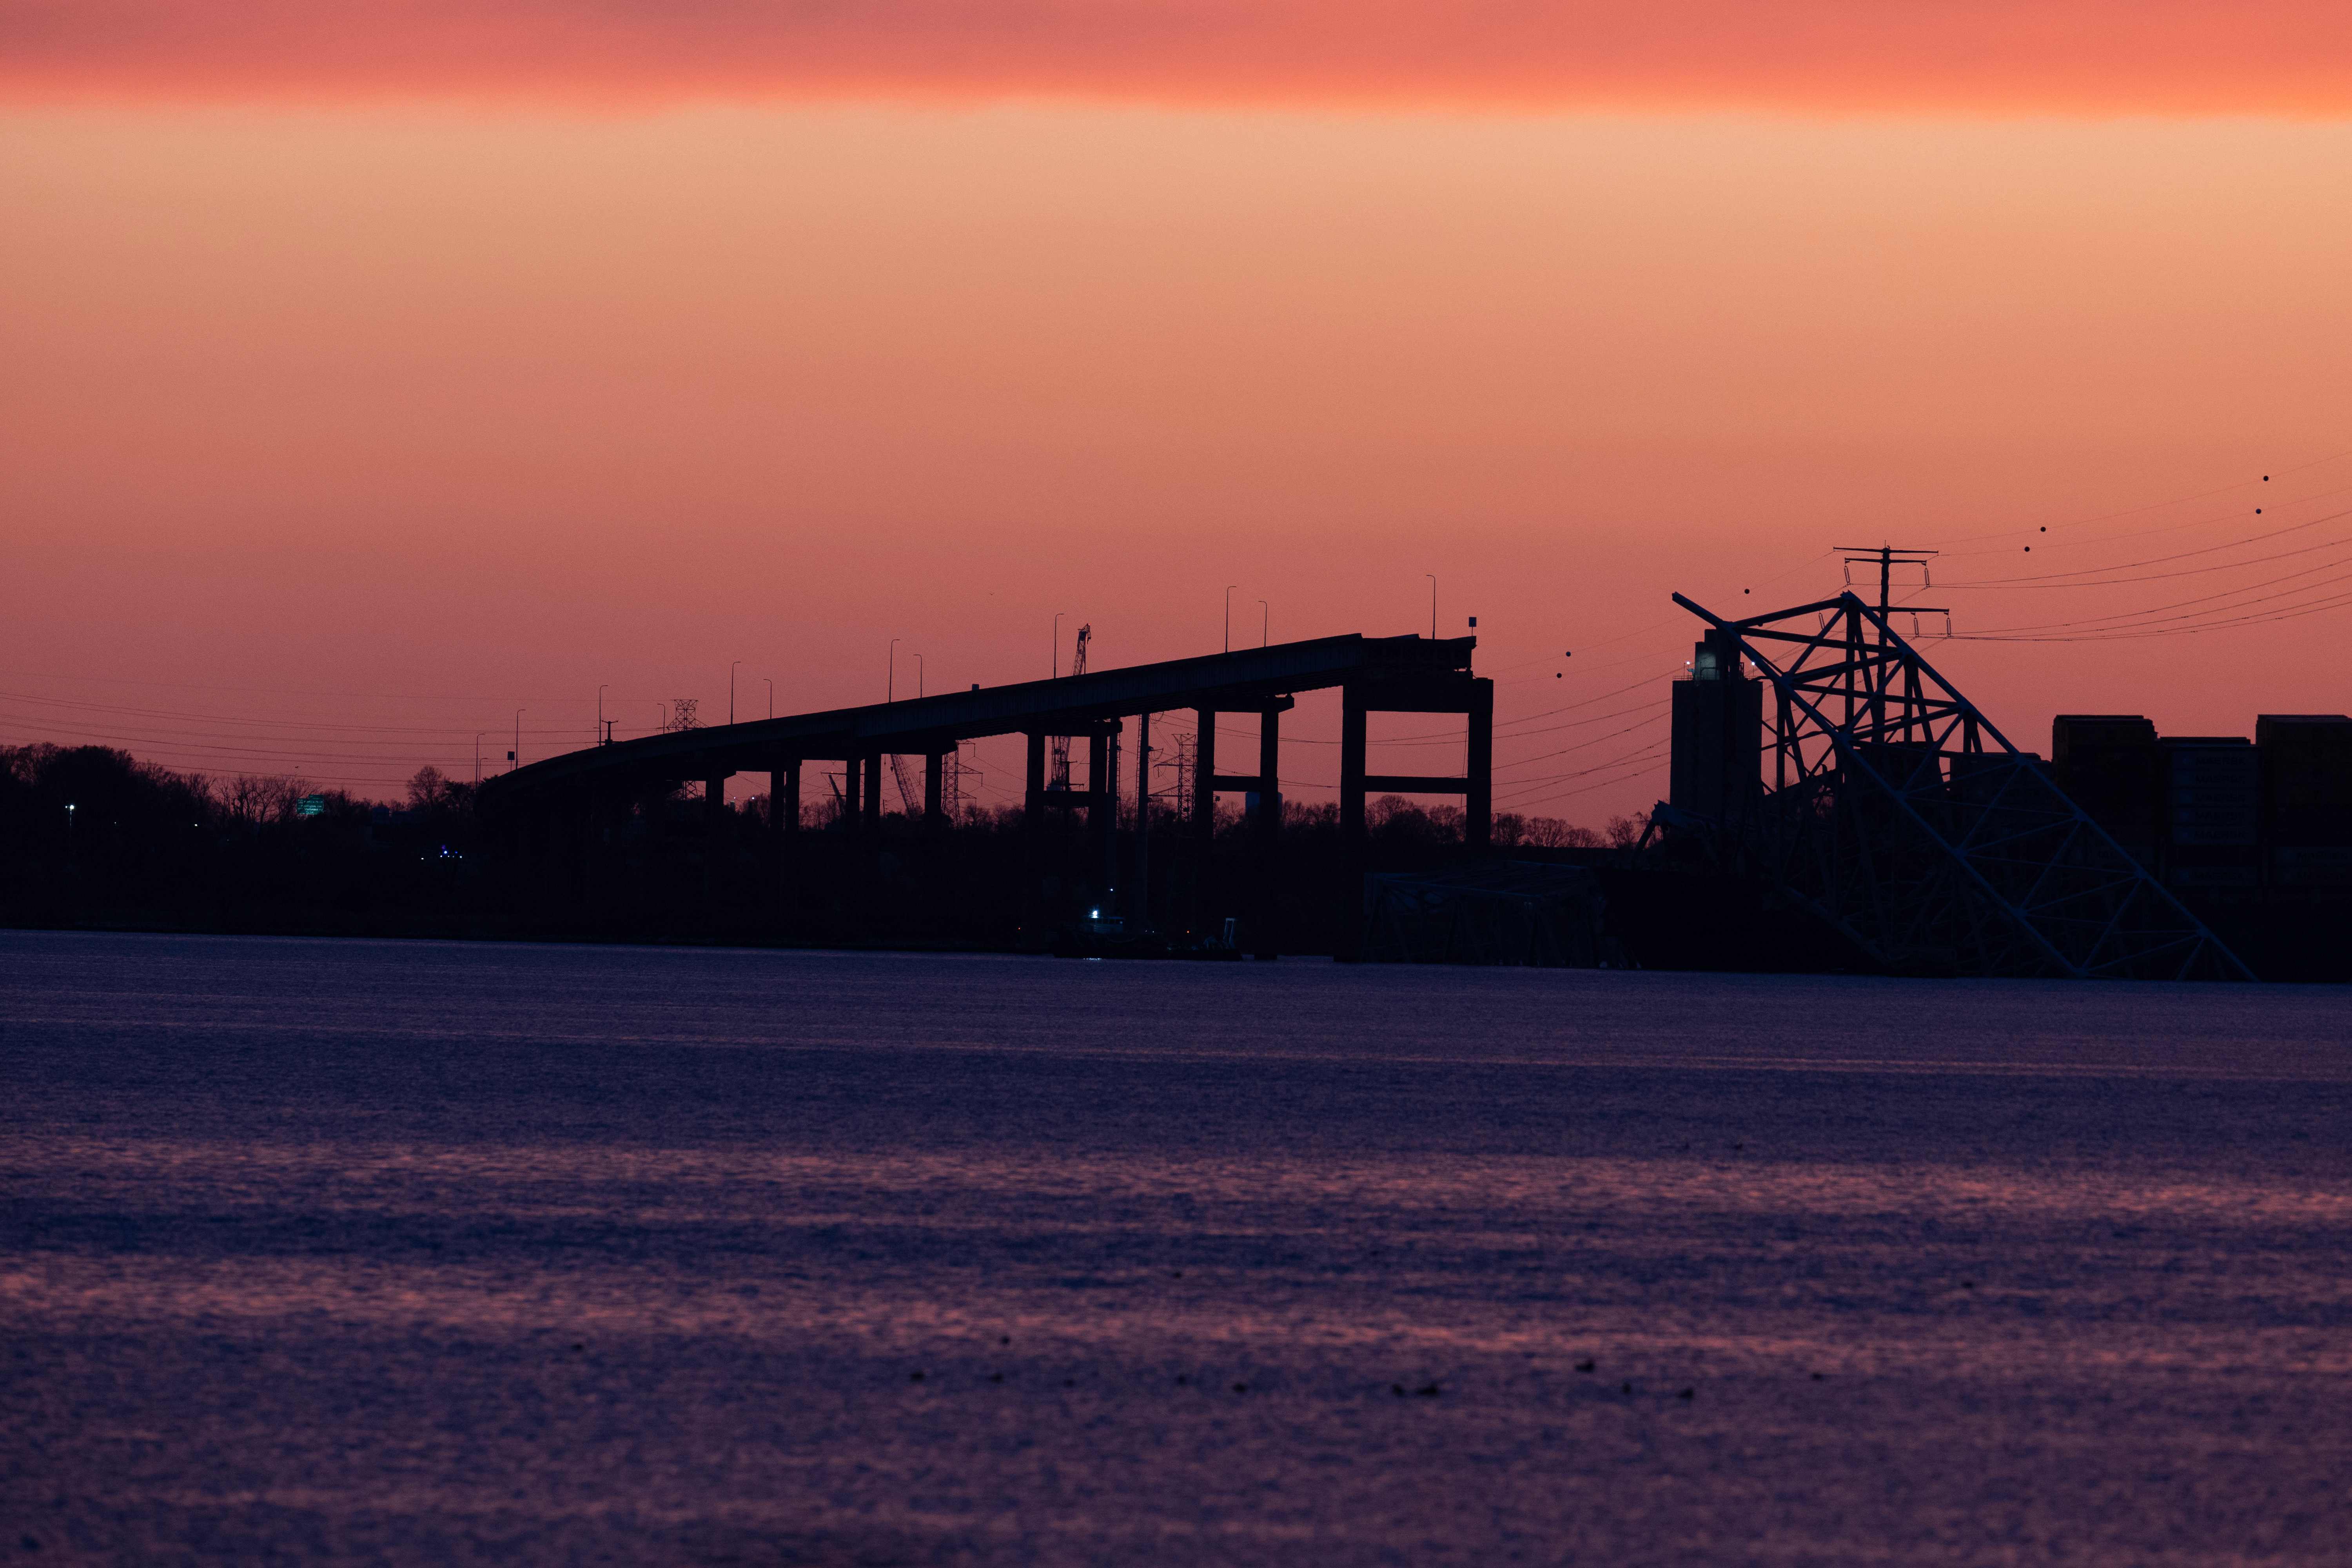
[
  {"x": 1900, "y": 816},
  {"x": 559, "y": 807}
]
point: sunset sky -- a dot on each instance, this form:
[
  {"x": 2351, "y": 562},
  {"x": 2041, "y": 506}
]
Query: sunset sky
[{"x": 372, "y": 372}]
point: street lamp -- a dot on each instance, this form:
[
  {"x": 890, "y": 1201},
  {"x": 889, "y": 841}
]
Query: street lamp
[
  {"x": 1264, "y": 621},
  {"x": 731, "y": 693},
  {"x": 1057, "y": 643},
  {"x": 771, "y": 694},
  {"x": 918, "y": 676},
  {"x": 891, "y": 690},
  {"x": 1229, "y": 616},
  {"x": 514, "y": 758},
  {"x": 1432, "y": 604},
  {"x": 599, "y": 714}
]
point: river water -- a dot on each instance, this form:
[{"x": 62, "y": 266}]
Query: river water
[{"x": 440, "y": 1253}]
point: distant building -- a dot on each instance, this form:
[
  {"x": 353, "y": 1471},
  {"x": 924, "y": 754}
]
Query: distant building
[
  {"x": 2109, "y": 764},
  {"x": 2307, "y": 828},
  {"x": 2212, "y": 806},
  {"x": 2219, "y": 814}
]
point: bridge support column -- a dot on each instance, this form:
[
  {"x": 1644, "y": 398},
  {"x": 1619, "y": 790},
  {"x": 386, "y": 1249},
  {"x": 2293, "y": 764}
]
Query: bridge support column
[
  {"x": 1353, "y": 858},
  {"x": 784, "y": 802},
  {"x": 1032, "y": 794},
  {"x": 783, "y": 823},
  {"x": 1102, "y": 812},
  {"x": 1032, "y": 827},
  {"x": 872, "y": 805},
  {"x": 1472, "y": 697},
  {"x": 853, "y": 791},
  {"x": 1139, "y": 892},
  {"x": 1266, "y": 830},
  {"x": 1479, "y": 796},
  {"x": 1352, "y": 748},
  {"x": 714, "y": 809},
  {"x": 934, "y": 768},
  {"x": 717, "y": 841},
  {"x": 1204, "y": 825}
]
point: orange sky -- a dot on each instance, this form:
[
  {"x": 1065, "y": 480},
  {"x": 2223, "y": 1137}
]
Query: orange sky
[
  {"x": 405, "y": 372},
  {"x": 2070, "y": 56}
]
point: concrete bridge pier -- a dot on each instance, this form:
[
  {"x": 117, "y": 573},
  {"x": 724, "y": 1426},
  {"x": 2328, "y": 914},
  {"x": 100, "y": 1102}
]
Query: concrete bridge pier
[
  {"x": 1265, "y": 830},
  {"x": 784, "y": 824},
  {"x": 1139, "y": 888},
  {"x": 1203, "y": 828},
  {"x": 1471, "y": 697},
  {"x": 1033, "y": 824},
  {"x": 784, "y": 802},
  {"x": 1102, "y": 810}
]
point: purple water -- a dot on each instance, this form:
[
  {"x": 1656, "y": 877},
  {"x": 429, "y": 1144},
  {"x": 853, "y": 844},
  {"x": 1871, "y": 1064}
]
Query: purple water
[{"x": 423, "y": 1253}]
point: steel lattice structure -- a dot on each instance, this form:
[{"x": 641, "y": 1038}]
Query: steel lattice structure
[{"x": 1897, "y": 812}]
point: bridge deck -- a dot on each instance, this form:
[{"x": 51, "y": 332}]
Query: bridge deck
[{"x": 1387, "y": 672}]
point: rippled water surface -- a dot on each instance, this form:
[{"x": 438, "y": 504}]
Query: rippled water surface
[{"x": 421, "y": 1252}]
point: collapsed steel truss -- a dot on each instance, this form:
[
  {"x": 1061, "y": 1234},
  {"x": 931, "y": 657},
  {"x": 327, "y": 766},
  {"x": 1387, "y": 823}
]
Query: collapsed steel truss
[{"x": 1899, "y": 814}]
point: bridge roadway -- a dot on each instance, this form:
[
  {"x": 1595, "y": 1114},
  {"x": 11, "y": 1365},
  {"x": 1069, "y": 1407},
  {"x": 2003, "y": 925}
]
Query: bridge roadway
[{"x": 562, "y": 804}]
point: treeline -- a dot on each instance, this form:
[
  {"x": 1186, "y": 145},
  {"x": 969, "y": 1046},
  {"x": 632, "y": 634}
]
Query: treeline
[{"x": 92, "y": 836}]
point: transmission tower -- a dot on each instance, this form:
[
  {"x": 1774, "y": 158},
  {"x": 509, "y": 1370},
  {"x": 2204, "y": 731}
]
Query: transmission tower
[
  {"x": 1188, "y": 750},
  {"x": 1896, "y": 811},
  {"x": 952, "y": 774}
]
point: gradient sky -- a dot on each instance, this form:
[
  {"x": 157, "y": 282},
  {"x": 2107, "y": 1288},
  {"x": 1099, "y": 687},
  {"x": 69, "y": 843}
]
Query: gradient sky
[{"x": 393, "y": 367}]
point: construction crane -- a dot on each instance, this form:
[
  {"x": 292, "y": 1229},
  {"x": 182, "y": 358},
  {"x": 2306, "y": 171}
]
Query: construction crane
[
  {"x": 1059, "y": 776},
  {"x": 910, "y": 794}
]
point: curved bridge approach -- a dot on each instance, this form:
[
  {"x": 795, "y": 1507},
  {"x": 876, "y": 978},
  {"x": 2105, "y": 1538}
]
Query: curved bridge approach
[{"x": 566, "y": 802}]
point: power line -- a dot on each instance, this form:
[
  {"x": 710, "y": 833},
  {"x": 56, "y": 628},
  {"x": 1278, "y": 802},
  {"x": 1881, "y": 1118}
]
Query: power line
[
  {"x": 1595, "y": 741},
  {"x": 2057, "y": 579},
  {"x": 2132, "y": 618},
  {"x": 2151, "y": 506}
]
